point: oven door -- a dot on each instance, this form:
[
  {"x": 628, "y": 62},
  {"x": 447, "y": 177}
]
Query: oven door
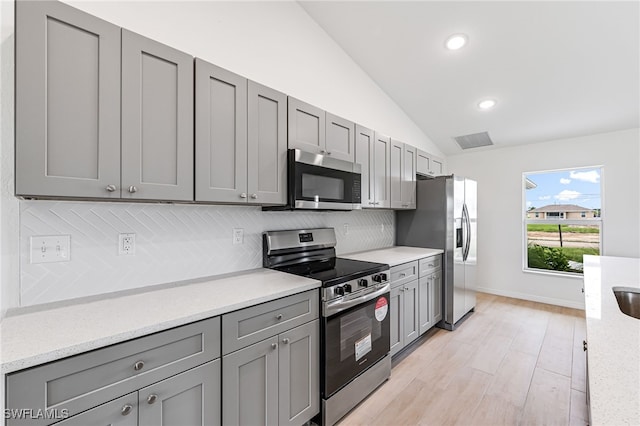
[
  {"x": 319, "y": 182},
  {"x": 354, "y": 340}
]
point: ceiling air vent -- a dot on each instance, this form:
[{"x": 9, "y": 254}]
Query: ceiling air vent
[{"x": 474, "y": 140}]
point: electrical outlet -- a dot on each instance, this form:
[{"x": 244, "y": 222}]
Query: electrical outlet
[
  {"x": 238, "y": 236},
  {"x": 127, "y": 244},
  {"x": 346, "y": 228},
  {"x": 50, "y": 248},
  {"x": 382, "y": 227}
]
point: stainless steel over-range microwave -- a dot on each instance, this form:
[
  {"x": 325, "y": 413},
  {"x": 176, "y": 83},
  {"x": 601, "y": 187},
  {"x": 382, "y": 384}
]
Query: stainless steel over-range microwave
[{"x": 318, "y": 182}]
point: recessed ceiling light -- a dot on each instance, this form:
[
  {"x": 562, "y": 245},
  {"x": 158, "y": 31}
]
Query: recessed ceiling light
[
  {"x": 456, "y": 41},
  {"x": 487, "y": 104}
]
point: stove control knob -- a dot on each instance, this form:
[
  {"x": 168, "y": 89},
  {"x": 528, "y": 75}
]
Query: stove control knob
[
  {"x": 363, "y": 282},
  {"x": 339, "y": 291},
  {"x": 383, "y": 276},
  {"x": 347, "y": 288},
  {"x": 377, "y": 278}
]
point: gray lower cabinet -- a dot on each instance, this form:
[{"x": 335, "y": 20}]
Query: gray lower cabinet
[
  {"x": 67, "y": 102},
  {"x": 270, "y": 363},
  {"x": 404, "y": 306},
  {"x": 101, "y": 112},
  {"x": 274, "y": 381},
  {"x": 153, "y": 363},
  {"x": 157, "y": 120},
  {"x": 190, "y": 398},
  {"x": 240, "y": 139},
  {"x": 122, "y": 411},
  {"x": 430, "y": 292}
]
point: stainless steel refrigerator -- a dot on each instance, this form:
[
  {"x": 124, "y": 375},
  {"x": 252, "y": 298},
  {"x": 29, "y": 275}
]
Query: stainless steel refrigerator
[{"x": 446, "y": 217}]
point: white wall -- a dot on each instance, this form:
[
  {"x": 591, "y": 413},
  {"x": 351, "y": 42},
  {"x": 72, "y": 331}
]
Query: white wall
[{"x": 500, "y": 232}]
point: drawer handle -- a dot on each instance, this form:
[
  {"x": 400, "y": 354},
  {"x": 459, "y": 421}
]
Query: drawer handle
[
  {"x": 111, "y": 188},
  {"x": 431, "y": 265},
  {"x": 126, "y": 409},
  {"x": 152, "y": 398},
  {"x": 402, "y": 275},
  {"x": 139, "y": 365},
  {"x": 285, "y": 341},
  {"x": 279, "y": 317},
  {"x": 274, "y": 346}
]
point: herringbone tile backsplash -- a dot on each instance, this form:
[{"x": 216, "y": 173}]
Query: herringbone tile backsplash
[{"x": 173, "y": 243}]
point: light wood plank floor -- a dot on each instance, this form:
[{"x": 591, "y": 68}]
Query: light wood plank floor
[{"x": 512, "y": 362}]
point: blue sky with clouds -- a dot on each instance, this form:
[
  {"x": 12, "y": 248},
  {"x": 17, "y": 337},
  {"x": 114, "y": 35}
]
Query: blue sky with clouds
[{"x": 578, "y": 186}]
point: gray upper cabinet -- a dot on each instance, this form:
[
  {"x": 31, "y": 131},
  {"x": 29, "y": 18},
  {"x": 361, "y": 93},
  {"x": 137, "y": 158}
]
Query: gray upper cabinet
[
  {"x": 157, "y": 120},
  {"x": 313, "y": 130},
  {"x": 306, "y": 127},
  {"x": 428, "y": 164},
  {"x": 340, "y": 138},
  {"x": 364, "y": 146},
  {"x": 241, "y": 139},
  {"x": 409, "y": 177},
  {"x": 67, "y": 102},
  {"x": 190, "y": 398},
  {"x": 396, "y": 159},
  {"x": 267, "y": 145},
  {"x": 382, "y": 170},
  {"x": 221, "y": 134}
]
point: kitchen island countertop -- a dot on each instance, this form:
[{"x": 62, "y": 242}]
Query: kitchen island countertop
[
  {"x": 393, "y": 256},
  {"x": 613, "y": 340},
  {"x": 35, "y": 337}
]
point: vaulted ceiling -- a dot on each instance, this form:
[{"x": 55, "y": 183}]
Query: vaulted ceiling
[{"x": 556, "y": 69}]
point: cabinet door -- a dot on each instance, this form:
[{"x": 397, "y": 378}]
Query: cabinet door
[
  {"x": 437, "y": 166},
  {"x": 425, "y": 303},
  {"x": 396, "y": 313},
  {"x": 221, "y": 134},
  {"x": 157, "y": 120},
  {"x": 250, "y": 385},
  {"x": 119, "y": 412},
  {"x": 306, "y": 127},
  {"x": 364, "y": 156},
  {"x": 190, "y": 398},
  {"x": 423, "y": 161},
  {"x": 299, "y": 374},
  {"x": 411, "y": 309},
  {"x": 67, "y": 102},
  {"x": 409, "y": 177},
  {"x": 396, "y": 160},
  {"x": 267, "y": 145},
  {"x": 436, "y": 288},
  {"x": 382, "y": 169},
  {"x": 340, "y": 138}
]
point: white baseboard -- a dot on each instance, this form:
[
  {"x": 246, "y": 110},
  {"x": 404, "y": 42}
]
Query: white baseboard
[{"x": 533, "y": 298}]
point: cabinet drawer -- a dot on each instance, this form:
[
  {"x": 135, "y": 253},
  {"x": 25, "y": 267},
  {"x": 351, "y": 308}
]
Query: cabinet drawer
[
  {"x": 251, "y": 325},
  {"x": 404, "y": 273},
  {"x": 430, "y": 264},
  {"x": 84, "y": 381}
]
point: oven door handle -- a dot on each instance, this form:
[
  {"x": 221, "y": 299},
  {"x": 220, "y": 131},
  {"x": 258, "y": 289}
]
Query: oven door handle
[{"x": 331, "y": 308}]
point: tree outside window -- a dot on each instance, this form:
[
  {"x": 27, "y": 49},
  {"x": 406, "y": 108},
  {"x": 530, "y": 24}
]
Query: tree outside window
[{"x": 562, "y": 218}]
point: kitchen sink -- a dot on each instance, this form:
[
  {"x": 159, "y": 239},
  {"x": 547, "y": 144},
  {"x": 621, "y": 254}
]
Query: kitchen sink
[{"x": 628, "y": 300}]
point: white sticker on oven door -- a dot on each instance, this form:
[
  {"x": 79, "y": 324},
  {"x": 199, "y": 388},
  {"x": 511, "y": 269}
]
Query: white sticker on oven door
[
  {"x": 363, "y": 346},
  {"x": 382, "y": 307}
]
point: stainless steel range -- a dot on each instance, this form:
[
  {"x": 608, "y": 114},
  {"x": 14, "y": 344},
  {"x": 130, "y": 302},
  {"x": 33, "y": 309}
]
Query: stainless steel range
[{"x": 355, "y": 323}]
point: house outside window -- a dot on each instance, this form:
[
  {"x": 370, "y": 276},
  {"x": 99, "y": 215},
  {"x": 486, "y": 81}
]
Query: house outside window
[{"x": 562, "y": 219}]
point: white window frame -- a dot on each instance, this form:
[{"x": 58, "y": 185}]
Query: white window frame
[{"x": 561, "y": 221}]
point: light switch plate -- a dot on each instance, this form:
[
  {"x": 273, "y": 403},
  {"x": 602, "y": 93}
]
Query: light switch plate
[{"x": 50, "y": 248}]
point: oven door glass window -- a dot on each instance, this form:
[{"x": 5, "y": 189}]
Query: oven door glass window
[{"x": 354, "y": 340}]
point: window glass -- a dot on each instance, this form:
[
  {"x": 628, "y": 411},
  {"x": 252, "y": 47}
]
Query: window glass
[{"x": 562, "y": 218}]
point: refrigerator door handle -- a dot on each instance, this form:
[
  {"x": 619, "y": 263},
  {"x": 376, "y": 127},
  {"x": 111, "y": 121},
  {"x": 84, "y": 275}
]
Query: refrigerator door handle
[{"x": 467, "y": 224}]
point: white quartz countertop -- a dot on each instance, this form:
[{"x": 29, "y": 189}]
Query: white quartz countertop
[
  {"x": 613, "y": 340},
  {"x": 393, "y": 256},
  {"x": 34, "y": 338}
]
